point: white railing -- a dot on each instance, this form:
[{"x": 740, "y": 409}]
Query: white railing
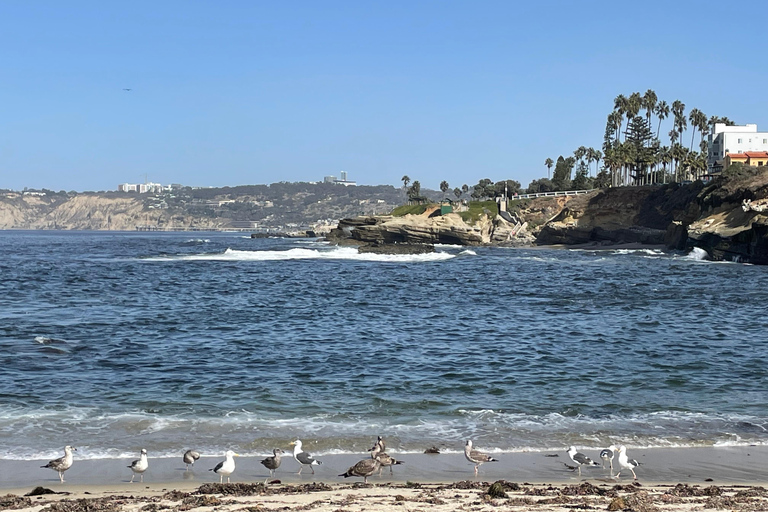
[{"x": 551, "y": 194}]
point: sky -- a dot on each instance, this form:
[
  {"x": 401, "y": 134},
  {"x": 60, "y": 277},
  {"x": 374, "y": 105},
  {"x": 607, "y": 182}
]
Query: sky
[{"x": 226, "y": 93}]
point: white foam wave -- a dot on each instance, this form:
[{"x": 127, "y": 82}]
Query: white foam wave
[
  {"x": 300, "y": 253},
  {"x": 697, "y": 254}
]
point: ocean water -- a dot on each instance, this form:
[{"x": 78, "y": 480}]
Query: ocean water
[{"x": 114, "y": 342}]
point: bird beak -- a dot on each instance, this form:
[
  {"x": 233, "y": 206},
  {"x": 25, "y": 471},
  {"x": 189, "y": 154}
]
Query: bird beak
[
  {"x": 237, "y": 455},
  {"x": 293, "y": 443}
]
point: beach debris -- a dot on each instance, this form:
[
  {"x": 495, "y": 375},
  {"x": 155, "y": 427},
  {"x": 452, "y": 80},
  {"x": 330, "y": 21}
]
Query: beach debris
[
  {"x": 551, "y": 455},
  {"x": 191, "y": 502},
  {"x": 432, "y": 451},
  {"x": 232, "y": 489},
  {"x": 584, "y": 489},
  {"x": 62, "y": 463},
  {"x": 11, "y": 501},
  {"x": 108, "y": 504},
  {"x": 499, "y": 487},
  {"x": 40, "y": 491}
]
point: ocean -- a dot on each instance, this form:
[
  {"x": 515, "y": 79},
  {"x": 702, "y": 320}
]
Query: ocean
[{"x": 113, "y": 342}]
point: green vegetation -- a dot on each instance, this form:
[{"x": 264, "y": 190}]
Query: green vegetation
[
  {"x": 479, "y": 208},
  {"x": 410, "y": 209},
  {"x": 632, "y": 154}
]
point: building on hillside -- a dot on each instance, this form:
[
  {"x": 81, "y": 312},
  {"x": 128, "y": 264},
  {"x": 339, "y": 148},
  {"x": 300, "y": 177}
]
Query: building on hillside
[
  {"x": 141, "y": 188},
  {"x": 753, "y": 158},
  {"x": 343, "y": 181},
  {"x": 734, "y": 140}
]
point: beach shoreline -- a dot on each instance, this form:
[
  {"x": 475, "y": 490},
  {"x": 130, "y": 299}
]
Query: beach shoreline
[{"x": 732, "y": 465}]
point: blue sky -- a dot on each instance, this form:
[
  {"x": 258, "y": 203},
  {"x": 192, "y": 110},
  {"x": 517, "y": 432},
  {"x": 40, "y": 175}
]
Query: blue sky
[{"x": 250, "y": 92}]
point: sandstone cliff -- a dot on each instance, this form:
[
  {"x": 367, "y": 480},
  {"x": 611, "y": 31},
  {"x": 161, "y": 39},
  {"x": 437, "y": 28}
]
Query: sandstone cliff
[
  {"x": 426, "y": 229},
  {"x": 91, "y": 212},
  {"x": 727, "y": 217}
]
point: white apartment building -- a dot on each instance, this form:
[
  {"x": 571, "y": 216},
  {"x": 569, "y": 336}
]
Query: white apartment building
[
  {"x": 733, "y": 139},
  {"x": 141, "y": 188}
]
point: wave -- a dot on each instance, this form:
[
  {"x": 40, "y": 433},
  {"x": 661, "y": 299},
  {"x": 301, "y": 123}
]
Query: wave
[
  {"x": 336, "y": 253},
  {"x": 697, "y": 254},
  {"x": 38, "y": 434}
]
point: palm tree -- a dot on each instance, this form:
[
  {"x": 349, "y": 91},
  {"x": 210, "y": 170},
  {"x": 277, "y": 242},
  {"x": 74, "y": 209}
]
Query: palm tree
[
  {"x": 620, "y": 105},
  {"x": 678, "y": 111},
  {"x": 580, "y": 153},
  {"x": 649, "y": 102},
  {"x": 444, "y": 186},
  {"x": 549, "y": 163},
  {"x": 662, "y": 112},
  {"x": 457, "y": 193},
  {"x": 406, "y": 180},
  {"x": 464, "y": 188},
  {"x": 697, "y": 118},
  {"x": 597, "y": 155}
]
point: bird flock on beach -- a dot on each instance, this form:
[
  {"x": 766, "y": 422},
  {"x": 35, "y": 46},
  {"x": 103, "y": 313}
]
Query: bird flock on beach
[{"x": 378, "y": 460}]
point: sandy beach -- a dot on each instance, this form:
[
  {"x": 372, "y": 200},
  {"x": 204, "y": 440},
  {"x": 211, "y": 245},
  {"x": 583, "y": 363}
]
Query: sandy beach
[{"x": 669, "y": 479}]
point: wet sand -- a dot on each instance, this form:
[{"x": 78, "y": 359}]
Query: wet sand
[{"x": 727, "y": 465}]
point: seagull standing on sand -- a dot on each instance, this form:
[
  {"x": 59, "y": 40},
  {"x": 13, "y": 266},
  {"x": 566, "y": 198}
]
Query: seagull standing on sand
[
  {"x": 475, "y": 457},
  {"x": 140, "y": 465},
  {"x": 225, "y": 467},
  {"x": 625, "y": 462},
  {"x": 580, "y": 459},
  {"x": 190, "y": 456},
  {"x": 273, "y": 462},
  {"x": 62, "y": 463},
  {"x": 384, "y": 458},
  {"x": 364, "y": 468},
  {"x": 303, "y": 458},
  {"x": 607, "y": 455}
]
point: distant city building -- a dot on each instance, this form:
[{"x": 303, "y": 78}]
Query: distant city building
[
  {"x": 733, "y": 140},
  {"x": 142, "y": 188},
  {"x": 343, "y": 181}
]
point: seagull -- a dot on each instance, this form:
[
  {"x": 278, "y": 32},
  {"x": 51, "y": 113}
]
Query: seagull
[
  {"x": 607, "y": 455},
  {"x": 379, "y": 444},
  {"x": 225, "y": 467},
  {"x": 364, "y": 468},
  {"x": 303, "y": 458},
  {"x": 140, "y": 465},
  {"x": 62, "y": 463},
  {"x": 385, "y": 460},
  {"x": 475, "y": 457},
  {"x": 127, "y": 90},
  {"x": 580, "y": 459},
  {"x": 190, "y": 456},
  {"x": 625, "y": 462},
  {"x": 272, "y": 463}
]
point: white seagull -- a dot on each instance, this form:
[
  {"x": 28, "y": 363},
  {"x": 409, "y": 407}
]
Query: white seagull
[
  {"x": 140, "y": 465},
  {"x": 475, "y": 457},
  {"x": 62, "y": 463},
  {"x": 303, "y": 458},
  {"x": 625, "y": 462},
  {"x": 225, "y": 467},
  {"x": 580, "y": 459}
]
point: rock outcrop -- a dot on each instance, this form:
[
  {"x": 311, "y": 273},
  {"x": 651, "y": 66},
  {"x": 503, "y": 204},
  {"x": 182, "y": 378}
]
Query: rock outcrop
[{"x": 425, "y": 229}]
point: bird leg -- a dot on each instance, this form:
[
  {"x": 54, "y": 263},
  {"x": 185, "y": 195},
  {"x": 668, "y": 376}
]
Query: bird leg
[
  {"x": 312, "y": 469},
  {"x": 61, "y": 476},
  {"x": 633, "y": 473},
  {"x": 301, "y": 466}
]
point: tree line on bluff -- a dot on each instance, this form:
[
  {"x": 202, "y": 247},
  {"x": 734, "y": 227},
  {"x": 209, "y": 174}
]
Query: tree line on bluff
[{"x": 632, "y": 156}]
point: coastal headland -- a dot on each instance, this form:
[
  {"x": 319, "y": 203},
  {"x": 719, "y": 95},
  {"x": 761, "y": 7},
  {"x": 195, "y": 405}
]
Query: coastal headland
[
  {"x": 678, "y": 479},
  {"x": 727, "y": 218}
]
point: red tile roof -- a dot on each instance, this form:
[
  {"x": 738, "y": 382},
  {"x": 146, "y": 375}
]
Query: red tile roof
[
  {"x": 737, "y": 155},
  {"x": 756, "y": 154}
]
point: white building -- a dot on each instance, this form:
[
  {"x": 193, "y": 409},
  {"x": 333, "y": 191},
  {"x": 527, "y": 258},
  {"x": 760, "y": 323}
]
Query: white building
[
  {"x": 141, "y": 188},
  {"x": 733, "y": 139},
  {"x": 343, "y": 181}
]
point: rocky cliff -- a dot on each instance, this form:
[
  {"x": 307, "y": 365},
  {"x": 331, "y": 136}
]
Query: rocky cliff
[
  {"x": 91, "y": 212},
  {"x": 430, "y": 228},
  {"x": 727, "y": 217}
]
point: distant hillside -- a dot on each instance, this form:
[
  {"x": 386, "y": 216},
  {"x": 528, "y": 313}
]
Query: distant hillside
[{"x": 279, "y": 206}]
